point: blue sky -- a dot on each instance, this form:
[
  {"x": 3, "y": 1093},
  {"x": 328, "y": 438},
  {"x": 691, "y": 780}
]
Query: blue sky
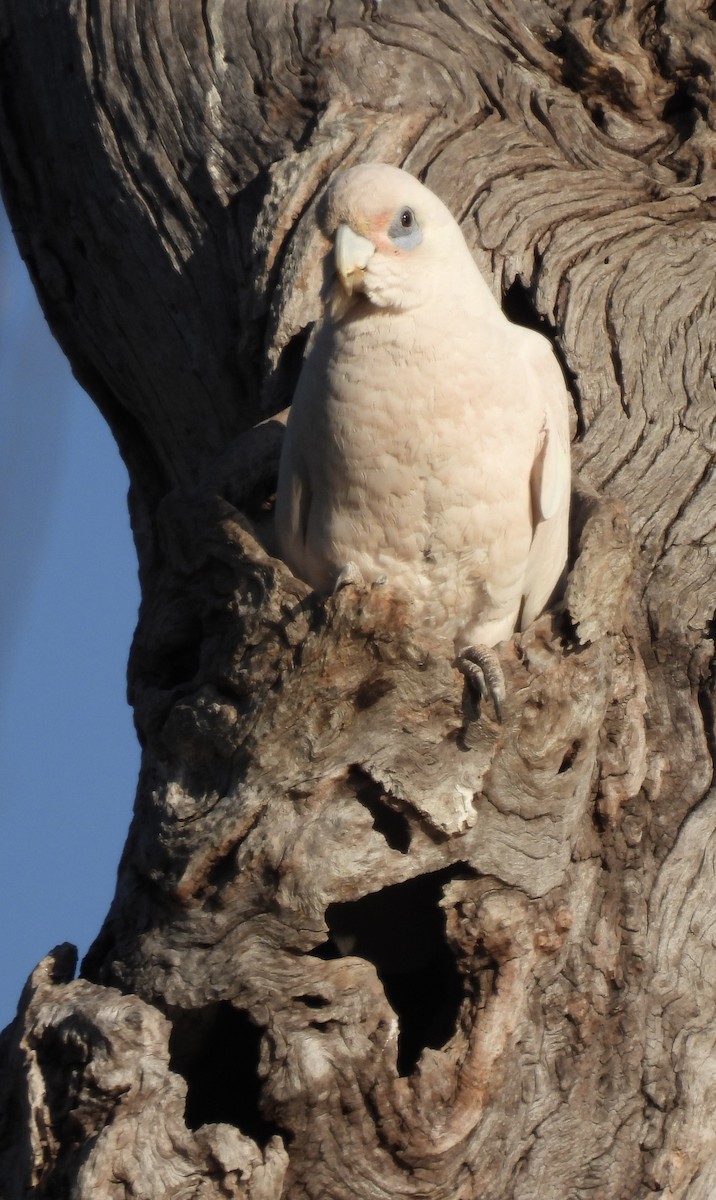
[{"x": 68, "y": 601}]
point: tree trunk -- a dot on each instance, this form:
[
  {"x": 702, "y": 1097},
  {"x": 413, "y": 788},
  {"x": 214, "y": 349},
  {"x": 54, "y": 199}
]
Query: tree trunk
[{"x": 367, "y": 942}]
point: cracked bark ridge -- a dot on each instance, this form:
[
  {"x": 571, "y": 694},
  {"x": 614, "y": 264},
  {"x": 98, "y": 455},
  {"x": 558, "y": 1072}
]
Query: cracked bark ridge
[{"x": 365, "y": 942}]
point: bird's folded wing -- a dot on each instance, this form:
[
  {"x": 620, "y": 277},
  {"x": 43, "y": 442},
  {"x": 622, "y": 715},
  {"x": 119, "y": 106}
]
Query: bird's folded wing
[
  {"x": 294, "y": 501},
  {"x": 551, "y": 476}
]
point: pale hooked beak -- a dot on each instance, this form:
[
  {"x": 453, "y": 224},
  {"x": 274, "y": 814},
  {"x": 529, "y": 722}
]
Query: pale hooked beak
[{"x": 352, "y": 255}]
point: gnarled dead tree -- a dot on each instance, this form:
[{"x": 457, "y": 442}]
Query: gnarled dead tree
[{"x": 366, "y": 943}]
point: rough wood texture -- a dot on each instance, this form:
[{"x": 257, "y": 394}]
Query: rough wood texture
[{"x": 366, "y": 944}]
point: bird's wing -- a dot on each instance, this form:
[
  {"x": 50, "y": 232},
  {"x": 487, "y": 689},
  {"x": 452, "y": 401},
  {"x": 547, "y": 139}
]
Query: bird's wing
[
  {"x": 550, "y": 481},
  {"x": 299, "y": 504},
  {"x": 293, "y": 502}
]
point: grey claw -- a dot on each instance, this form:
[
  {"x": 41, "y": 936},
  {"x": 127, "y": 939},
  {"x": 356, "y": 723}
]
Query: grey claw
[
  {"x": 349, "y": 574},
  {"x": 481, "y": 667}
]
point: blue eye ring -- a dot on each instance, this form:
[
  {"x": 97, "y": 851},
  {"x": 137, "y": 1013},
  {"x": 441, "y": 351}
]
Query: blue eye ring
[{"x": 404, "y": 229}]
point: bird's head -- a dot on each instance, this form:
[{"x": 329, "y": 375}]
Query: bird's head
[{"x": 394, "y": 242}]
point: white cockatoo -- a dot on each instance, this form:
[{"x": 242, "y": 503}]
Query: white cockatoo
[{"x": 427, "y": 445}]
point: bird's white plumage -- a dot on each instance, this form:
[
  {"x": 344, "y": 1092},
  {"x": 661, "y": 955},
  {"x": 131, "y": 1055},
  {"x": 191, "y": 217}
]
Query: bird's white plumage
[{"x": 428, "y": 438}]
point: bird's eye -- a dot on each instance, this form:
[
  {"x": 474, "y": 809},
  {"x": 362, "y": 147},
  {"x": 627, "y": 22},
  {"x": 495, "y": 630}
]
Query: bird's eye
[{"x": 404, "y": 230}]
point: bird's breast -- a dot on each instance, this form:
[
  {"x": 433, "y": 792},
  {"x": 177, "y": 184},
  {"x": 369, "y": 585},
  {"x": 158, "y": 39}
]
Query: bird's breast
[{"x": 419, "y": 461}]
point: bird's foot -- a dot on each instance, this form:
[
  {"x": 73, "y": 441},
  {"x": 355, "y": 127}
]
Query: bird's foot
[
  {"x": 481, "y": 667},
  {"x": 349, "y": 574}
]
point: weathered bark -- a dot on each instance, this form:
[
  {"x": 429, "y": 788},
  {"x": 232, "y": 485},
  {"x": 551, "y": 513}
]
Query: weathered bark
[{"x": 365, "y": 942}]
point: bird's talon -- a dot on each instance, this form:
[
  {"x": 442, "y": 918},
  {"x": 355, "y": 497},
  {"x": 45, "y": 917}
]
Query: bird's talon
[
  {"x": 481, "y": 667},
  {"x": 349, "y": 574}
]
